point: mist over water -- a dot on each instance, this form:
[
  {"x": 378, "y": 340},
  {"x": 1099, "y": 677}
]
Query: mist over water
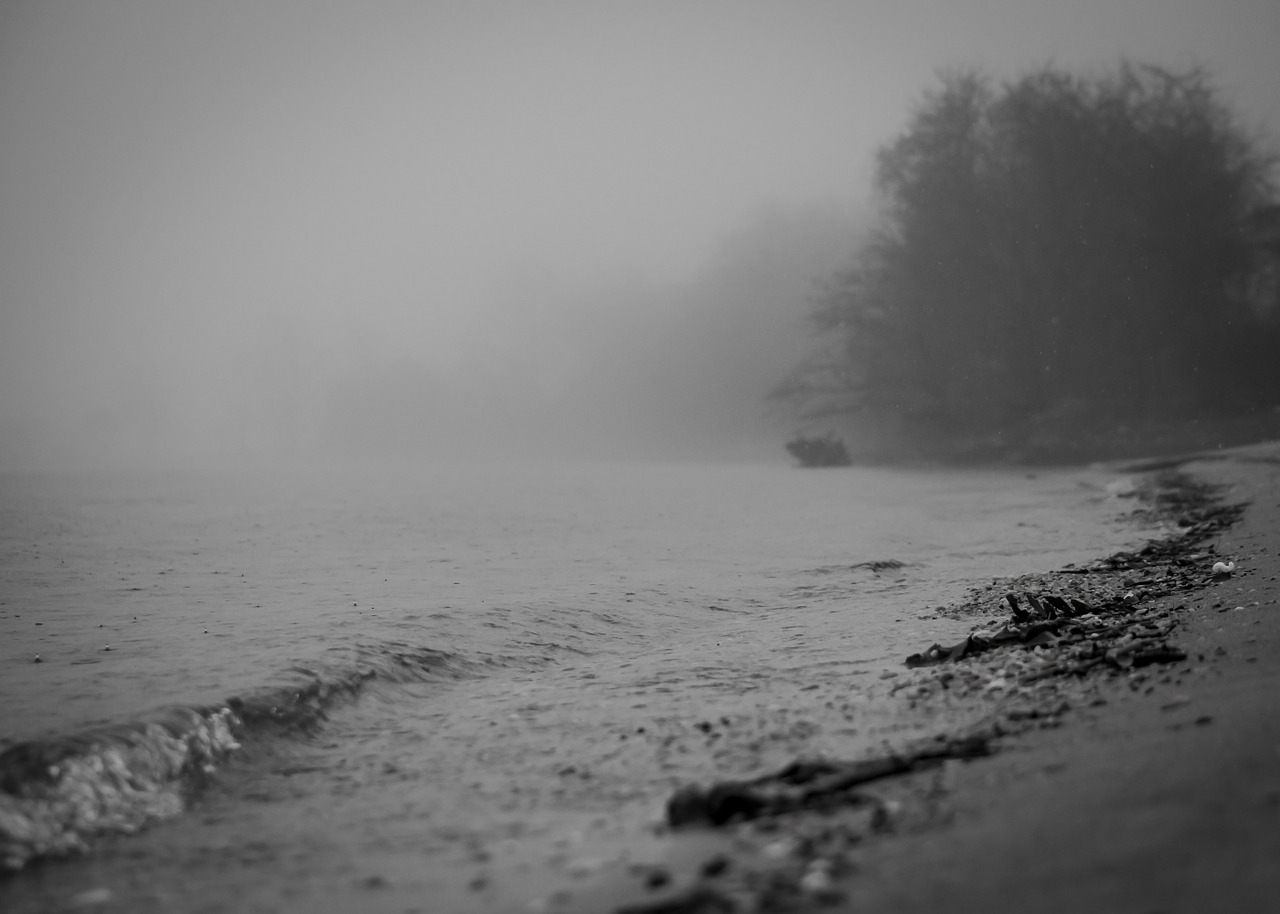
[
  {"x": 246, "y": 233},
  {"x": 413, "y": 347},
  {"x": 144, "y": 589}
]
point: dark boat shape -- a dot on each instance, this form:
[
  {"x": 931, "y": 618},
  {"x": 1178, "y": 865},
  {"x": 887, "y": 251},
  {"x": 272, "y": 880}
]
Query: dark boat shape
[{"x": 824, "y": 451}]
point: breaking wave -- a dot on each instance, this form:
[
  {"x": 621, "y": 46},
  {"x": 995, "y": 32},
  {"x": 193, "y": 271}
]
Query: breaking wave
[{"x": 58, "y": 792}]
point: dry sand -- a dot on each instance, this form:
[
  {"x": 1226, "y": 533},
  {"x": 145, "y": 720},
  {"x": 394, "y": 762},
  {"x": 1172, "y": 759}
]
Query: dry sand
[{"x": 1151, "y": 791}]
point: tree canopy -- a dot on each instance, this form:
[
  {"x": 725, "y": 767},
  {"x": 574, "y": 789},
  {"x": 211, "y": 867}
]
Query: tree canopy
[{"x": 1054, "y": 247}]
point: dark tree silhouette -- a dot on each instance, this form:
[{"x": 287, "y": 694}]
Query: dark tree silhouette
[{"x": 1055, "y": 250}]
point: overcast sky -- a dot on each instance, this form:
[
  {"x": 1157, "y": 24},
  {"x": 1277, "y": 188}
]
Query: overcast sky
[{"x": 207, "y": 204}]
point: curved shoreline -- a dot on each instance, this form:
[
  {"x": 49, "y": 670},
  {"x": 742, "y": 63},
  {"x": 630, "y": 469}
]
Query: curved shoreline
[
  {"x": 563, "y": 773},
  {"x": 1108, "y": 786},
  {"x": 1165, "y": 798}
]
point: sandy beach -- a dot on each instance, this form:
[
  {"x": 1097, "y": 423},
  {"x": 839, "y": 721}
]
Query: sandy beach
[
  {"x": 1164, "y": 798},
  {"x": 1148, "y": 782},
  {"x": 639, "y": 458},
  {"x": 1157, "y": 790}
]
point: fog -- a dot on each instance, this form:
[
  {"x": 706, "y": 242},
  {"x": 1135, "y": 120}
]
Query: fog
[{"x": 245, "y": 231}]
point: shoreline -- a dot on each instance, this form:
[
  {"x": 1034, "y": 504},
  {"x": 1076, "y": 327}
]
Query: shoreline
[
  {"x": 1139, "y": 787},
  {"x": 1165, "y": 798},
  {"x": 585, "y": 777}
]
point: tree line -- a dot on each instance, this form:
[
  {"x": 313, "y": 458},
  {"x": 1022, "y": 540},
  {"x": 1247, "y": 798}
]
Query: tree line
[{"x": 1056, "y": 253}]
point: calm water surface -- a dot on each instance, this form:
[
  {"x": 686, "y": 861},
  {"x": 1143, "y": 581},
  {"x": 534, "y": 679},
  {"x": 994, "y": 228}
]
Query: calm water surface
[{"x": 205, "y": 586}]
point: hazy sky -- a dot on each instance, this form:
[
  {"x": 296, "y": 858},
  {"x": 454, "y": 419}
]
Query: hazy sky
[{"x": 210, "y": 210}]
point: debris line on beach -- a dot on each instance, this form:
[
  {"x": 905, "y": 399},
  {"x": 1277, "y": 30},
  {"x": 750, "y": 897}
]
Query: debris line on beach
[{"x": 808, "y": 784}]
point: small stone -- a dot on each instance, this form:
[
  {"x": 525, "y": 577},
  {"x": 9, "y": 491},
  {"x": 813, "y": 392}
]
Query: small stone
[
  {"x": 780, "y": 849},
  {"x": 555, "y": 899},
  {"x": 584, "y": 867},
  {"x": 715, "y": 865},
  {"x": 885, "y": 815},
  {"x": 656, "y": 878},
  {"x": 90, "y": 897},
  {"x": 816, "y": 882}
]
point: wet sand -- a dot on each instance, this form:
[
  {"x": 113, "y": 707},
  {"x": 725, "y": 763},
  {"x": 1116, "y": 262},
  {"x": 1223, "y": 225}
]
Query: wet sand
[
  {"x": 1153, "y": 791},
  {"x": 1165, "y": 798}
]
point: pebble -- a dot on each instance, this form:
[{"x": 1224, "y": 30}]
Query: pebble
[
  {"x": 779, "y": 849},
  {"x": 656, "y": 878},
  {"x": 539, "y": 905},
  {"x": 816, "y": 881},
  {"x": 715, "y": 865},
  {"x": 90, "y": 897},
  {"x": 584, "y": 867},
  {"x": 885, "y": 815}
]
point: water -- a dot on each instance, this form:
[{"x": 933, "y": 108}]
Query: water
[{"x": 446, "y": 593}]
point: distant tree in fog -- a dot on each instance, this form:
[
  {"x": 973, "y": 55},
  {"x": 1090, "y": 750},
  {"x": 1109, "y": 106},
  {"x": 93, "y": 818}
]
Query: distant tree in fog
[
  {"x": 683, "y": 369},
  {"x": 1056, "y": 247}
]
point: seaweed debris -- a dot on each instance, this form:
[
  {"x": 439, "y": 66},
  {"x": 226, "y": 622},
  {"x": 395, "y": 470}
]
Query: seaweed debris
[
  {"x": 1108, "y": 617},
  {"x": 778, "y": 855},
  {"x": 1083, "y": 636},
  {"x": 1104, "y": 614}
]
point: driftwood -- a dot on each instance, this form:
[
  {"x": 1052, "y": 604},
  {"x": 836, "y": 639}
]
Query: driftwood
[{"x": 809, "y": 784}]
